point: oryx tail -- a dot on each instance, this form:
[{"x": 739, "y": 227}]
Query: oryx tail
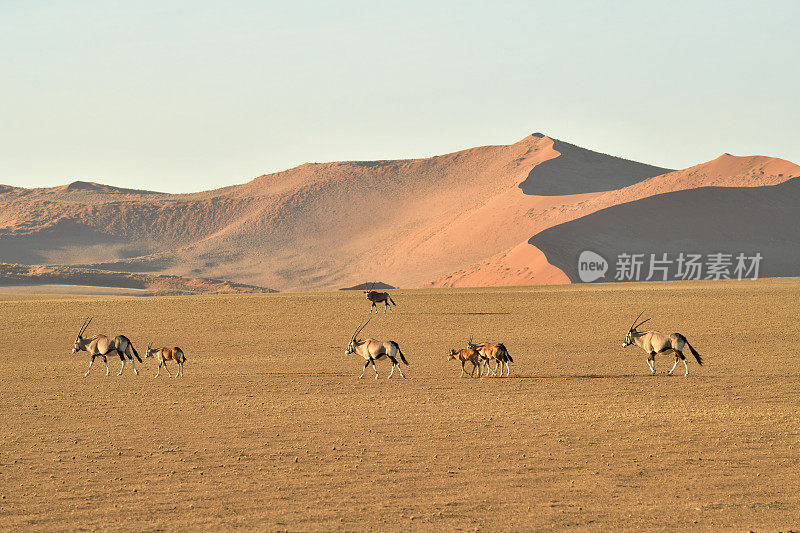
[
  {"x": 122, "y": 347},
  {"x": 402, "y": 357},
  {"x": 691, "y": 349},
  {"x": 135, "y": 352},
  {"x": 504, "y": 352}
]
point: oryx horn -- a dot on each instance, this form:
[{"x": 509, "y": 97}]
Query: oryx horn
[
  {"x": 360, "y": 328},
  {"x": 85, "y": 325},
  {"x": 635, "y": 319}
]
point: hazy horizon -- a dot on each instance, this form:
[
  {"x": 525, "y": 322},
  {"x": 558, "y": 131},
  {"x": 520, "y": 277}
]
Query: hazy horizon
[{"x": 188, "y": 96}]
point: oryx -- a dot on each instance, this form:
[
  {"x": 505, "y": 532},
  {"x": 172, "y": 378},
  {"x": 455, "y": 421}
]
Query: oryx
[
  {"x": 372, "y": 350},
  {"x": 654, "y": 342},
  {"x": 467, "y": 354},
  {"x": 377, "y": 297},
  {"x": 493, "y": 351},
  {"x": 166, "y": 354},
  {"x": 101, "y": 346}
]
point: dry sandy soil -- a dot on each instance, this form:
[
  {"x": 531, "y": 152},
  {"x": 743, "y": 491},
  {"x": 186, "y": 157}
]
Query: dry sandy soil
[{"x": 270, "y": 429}]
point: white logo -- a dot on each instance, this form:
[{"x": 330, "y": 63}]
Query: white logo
[{"x": 591, "y": 266}]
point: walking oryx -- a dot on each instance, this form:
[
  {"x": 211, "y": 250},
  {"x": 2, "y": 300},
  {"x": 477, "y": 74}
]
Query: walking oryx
[
  {"x": 166, "y": 354},
  {"x": 101, "y": 346},
  {"x": 377, "y": 297},
  {"x": 654, "y": 342},
  {"x": 493, "y": 352},
  {"x": 467, "y": 354},
  {"x": 372, "y": 350}
]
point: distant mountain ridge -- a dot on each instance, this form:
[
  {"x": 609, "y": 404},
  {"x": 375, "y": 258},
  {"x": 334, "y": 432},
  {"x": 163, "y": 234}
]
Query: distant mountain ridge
[{"x": 458, "y": 219}]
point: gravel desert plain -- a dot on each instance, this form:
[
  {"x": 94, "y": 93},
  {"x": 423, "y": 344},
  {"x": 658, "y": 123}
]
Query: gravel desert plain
[{"x": 270, "y": 429}]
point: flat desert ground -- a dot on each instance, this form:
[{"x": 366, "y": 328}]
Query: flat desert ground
[{"x": 270, "y": 429}]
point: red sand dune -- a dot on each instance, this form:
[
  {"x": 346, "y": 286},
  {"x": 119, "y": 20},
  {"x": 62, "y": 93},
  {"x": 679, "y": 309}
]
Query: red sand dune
[
  {"x": 459, "y": 219},
  {"x": 726, "y": 171}
]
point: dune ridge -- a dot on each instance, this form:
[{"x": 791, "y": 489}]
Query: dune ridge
[{"x": 456, "y": 219}]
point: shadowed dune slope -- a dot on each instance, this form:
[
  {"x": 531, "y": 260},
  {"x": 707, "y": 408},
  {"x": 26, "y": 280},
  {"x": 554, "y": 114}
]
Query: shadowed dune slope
[
  {"x": 705, "y": 220},
  {"x": 578, "y": 170}
]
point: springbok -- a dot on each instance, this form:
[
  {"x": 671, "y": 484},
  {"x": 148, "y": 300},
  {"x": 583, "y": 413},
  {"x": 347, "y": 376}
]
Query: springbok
[
  {"x": 654, "y": 342},
  {"x": 467, "y": 354},
  {"x": 101, "y": 346},
  {"x": 494, "y": 351},
  {"x": 166, "y": 354},
  {"x": 377, "y": 297},
  {"x": 372, "y": 350}
]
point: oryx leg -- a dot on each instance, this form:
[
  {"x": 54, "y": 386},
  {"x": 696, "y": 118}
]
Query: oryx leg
[
  {"x": 90, "y": 366},
  {"x": 508, "y": 368},
  {"x": 159, "y": 368},
  {"x": 167, "y": 369},
  {"x": 180, "y": 370},
  {"x": 394, "y": 364},
  {"x": 673, "y": 366},
  {"x": 651, "y": 363},
  {"x": 135, "y": 370},
  {"x": 121, "y": 356},
  {"x": 105, "y": 361},
  {"x": 375, "y": 368},
  {"x": 399, "y": 369},
  {"x": 679, "y": 355},
  {"x": 365, "y": 369},
  {"x": 462, "y": 369}
]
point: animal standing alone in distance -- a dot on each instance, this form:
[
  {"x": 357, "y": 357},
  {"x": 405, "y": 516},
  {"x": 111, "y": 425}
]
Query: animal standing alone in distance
[
  {"x": 101, "y": 346},
  {"x": 654, "y": 343},
  {"x": 372, "y": 350},
  {"x": 377, "y": 297},
  {"x": 166, "y": 354}
]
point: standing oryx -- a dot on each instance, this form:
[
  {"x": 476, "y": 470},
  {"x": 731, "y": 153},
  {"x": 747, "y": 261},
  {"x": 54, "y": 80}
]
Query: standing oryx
[
  {"x": 101, "y": 346},
  {"x": 372, "y": 350},
  {"x": 493, "y": 351},
  {"x": 377, "y": 297},
  {"x": 166, "y": 354},
  {"x": 467, "y": 354},
  {"x": 654, "y": 342}
]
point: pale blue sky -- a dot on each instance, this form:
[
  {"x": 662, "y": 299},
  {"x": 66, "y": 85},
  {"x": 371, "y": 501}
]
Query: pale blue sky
[{"x": 183, "y": 96}]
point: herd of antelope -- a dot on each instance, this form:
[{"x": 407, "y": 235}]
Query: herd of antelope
[{"x": 479, "y": 355}]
